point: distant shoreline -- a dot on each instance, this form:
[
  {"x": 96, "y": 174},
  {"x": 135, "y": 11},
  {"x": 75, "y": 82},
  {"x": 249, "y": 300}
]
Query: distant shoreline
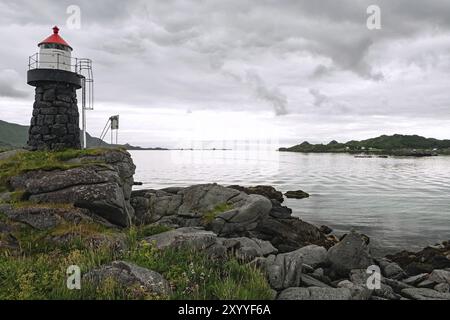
[{"x": 395, "y": 145}]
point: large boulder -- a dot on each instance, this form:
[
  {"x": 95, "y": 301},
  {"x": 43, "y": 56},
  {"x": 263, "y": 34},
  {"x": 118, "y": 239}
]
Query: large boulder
[
  {"x": 152, "y": 205},
  {"x": 246, "y": 248},
  {"x": 390, "y": 269},
  {"x": 129, "y": 276},
  {"x": 201, "y": 199},
  {"x": 284, "y": 270},
  {"x": 290, "y": 233},
  {"x": 101, "y": 184},
  {"x": 313, "y": 255},
  {"x": 352, "y": 252},
  {"x": 440, "y": 276},
  {"x": 252, "y": 209}
]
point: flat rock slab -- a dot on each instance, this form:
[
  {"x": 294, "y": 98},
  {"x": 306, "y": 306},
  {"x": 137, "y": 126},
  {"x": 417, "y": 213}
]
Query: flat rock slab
[
  {"x": 425, "y": 294},
  {"x": 190, "y": 237},
  {"x": 129, "y": 275},
  {"x": 315, "y": 293}
]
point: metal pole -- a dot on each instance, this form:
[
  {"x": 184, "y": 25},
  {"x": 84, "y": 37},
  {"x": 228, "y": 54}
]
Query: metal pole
[{"x": 83, "y": 110}]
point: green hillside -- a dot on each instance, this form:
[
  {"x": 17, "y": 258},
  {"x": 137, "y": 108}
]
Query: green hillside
[
  {"x": 15, "y": 136},
  {"x": 12, "y": 135},
  {"x": 396, "y": 144}
]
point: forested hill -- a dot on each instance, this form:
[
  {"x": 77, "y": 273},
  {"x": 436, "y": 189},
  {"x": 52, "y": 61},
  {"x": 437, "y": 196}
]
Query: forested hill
[{"x": 396, "y": 143}]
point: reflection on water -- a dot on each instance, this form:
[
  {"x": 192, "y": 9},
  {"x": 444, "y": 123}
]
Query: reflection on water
[{"x": 398, "y": 202}]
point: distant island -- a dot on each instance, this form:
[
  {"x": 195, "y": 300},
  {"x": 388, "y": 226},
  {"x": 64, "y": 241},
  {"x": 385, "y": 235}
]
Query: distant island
[
  {"x": 396, "y": 145},
  {"x": 14, "y": 135}
]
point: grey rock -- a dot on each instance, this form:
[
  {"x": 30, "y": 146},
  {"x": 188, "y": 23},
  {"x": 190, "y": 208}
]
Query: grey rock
[
  {"x": 128, "y": 275},
  {"x": 194, "y": 238},
  {"x": 284, "y": 270},
  {"x": 308, "y": 281},
  {"x": 442, "y": 287},
  {"x": 359, "y": 277},
  {"x": 440, "y": 276},
  {"x": 152, "y": 205},
  {"x": 298, "y": 194},
  {"x": 103, "y": 189},
  {"x": 391, "y": 269},
  {"x": 315, "y": 293},
  {"x": 307, "y": 268},
  {"x": 280, "y": 212},
  {"x": 396, "y": 285},
  {"x": 249, "y": 249},
  {"x": 414, "y": 280},
  {"x": 288, "y": 234},
  {"x": 425, "y": 294},
  {"x": 267, "y": 191},
  {"x": 313, "y": 255},
  {"x": 319, "y": 272},
  {"x": 37, "y": 218},
  {"x": 426, "y": 284},
  {"x": 352, "y": 252},
  {"x": 245, "y": 217},
  {"x": 36, "y": 182},
  {"x": 200, "y": 199},
  {"x": 104, "y": 199}
]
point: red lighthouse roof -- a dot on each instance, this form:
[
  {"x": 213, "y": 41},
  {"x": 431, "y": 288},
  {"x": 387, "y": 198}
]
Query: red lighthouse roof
[{"x": 55, "y": 38}]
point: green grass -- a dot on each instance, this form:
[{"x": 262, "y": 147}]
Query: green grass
[
  {"x": 41, "y": 160},
  {"x": 38, "y": 271},
  {"x": 209, "y": 216}
]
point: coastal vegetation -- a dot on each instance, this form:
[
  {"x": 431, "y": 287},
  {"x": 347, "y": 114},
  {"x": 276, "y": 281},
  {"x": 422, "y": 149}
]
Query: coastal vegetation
[
  {"x": 401, "y": 145},
  {"x": 39, "y": 270},
  {"x": 76, "y": 210}
]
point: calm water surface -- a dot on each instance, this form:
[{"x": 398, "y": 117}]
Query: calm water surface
[{"x": 398, "y": 202}]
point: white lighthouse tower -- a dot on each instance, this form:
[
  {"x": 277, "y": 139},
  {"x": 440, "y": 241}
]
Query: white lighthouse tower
[{"x": 57, "y": 75}]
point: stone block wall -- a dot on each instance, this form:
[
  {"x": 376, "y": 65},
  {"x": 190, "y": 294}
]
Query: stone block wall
[{"x": 55, "y": 121}]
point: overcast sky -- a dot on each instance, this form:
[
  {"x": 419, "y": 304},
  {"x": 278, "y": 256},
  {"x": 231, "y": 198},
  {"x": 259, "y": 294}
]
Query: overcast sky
[{"x": 291, "y": 70}]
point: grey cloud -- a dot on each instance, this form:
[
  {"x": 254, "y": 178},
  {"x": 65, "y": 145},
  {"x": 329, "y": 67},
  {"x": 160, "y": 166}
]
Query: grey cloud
[
  {"x": 326, "y": 105},
  {"x": 194, "y": 55},
  {"x": 10, "y": 86},
  {"x": 273, "y": 96}
]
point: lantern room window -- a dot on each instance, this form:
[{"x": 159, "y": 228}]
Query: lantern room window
[{"x": 55, "y": 46}]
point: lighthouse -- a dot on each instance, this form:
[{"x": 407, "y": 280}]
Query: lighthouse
[{"x": 57, "y": 76}]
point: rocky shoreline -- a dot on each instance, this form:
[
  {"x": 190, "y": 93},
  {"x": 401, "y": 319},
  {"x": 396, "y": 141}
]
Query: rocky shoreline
[{"x": 300, "y": 261}]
